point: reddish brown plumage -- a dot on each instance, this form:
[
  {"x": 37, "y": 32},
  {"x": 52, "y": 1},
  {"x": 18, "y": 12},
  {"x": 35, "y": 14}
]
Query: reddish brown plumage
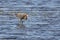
[{"x": 21, "y": 16}]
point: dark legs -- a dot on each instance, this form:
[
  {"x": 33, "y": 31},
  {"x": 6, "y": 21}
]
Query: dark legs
[{"x": 21, "y": 25}]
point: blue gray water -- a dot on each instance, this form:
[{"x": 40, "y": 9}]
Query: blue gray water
[{"x": 43, "y": 21}]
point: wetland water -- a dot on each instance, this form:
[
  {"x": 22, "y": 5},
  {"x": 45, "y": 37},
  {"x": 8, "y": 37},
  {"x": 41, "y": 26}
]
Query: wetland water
[{"x": 43, "y": 21}]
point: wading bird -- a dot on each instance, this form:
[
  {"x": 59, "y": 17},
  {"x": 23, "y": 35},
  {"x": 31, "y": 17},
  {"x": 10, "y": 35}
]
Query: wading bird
[{"x": 22, "y": 18}]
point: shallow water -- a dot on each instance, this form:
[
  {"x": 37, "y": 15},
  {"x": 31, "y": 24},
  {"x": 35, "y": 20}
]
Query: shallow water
[{"x": 43, "y": 21}]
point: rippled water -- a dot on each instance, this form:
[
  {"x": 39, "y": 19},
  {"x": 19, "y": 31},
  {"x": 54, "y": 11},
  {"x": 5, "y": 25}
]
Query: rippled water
[{"x": 43, "y": 21}]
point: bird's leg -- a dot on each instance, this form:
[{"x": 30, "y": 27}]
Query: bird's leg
[
  {"x": 21, "y": 25},
  {"x": 20, "y": 21}
]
